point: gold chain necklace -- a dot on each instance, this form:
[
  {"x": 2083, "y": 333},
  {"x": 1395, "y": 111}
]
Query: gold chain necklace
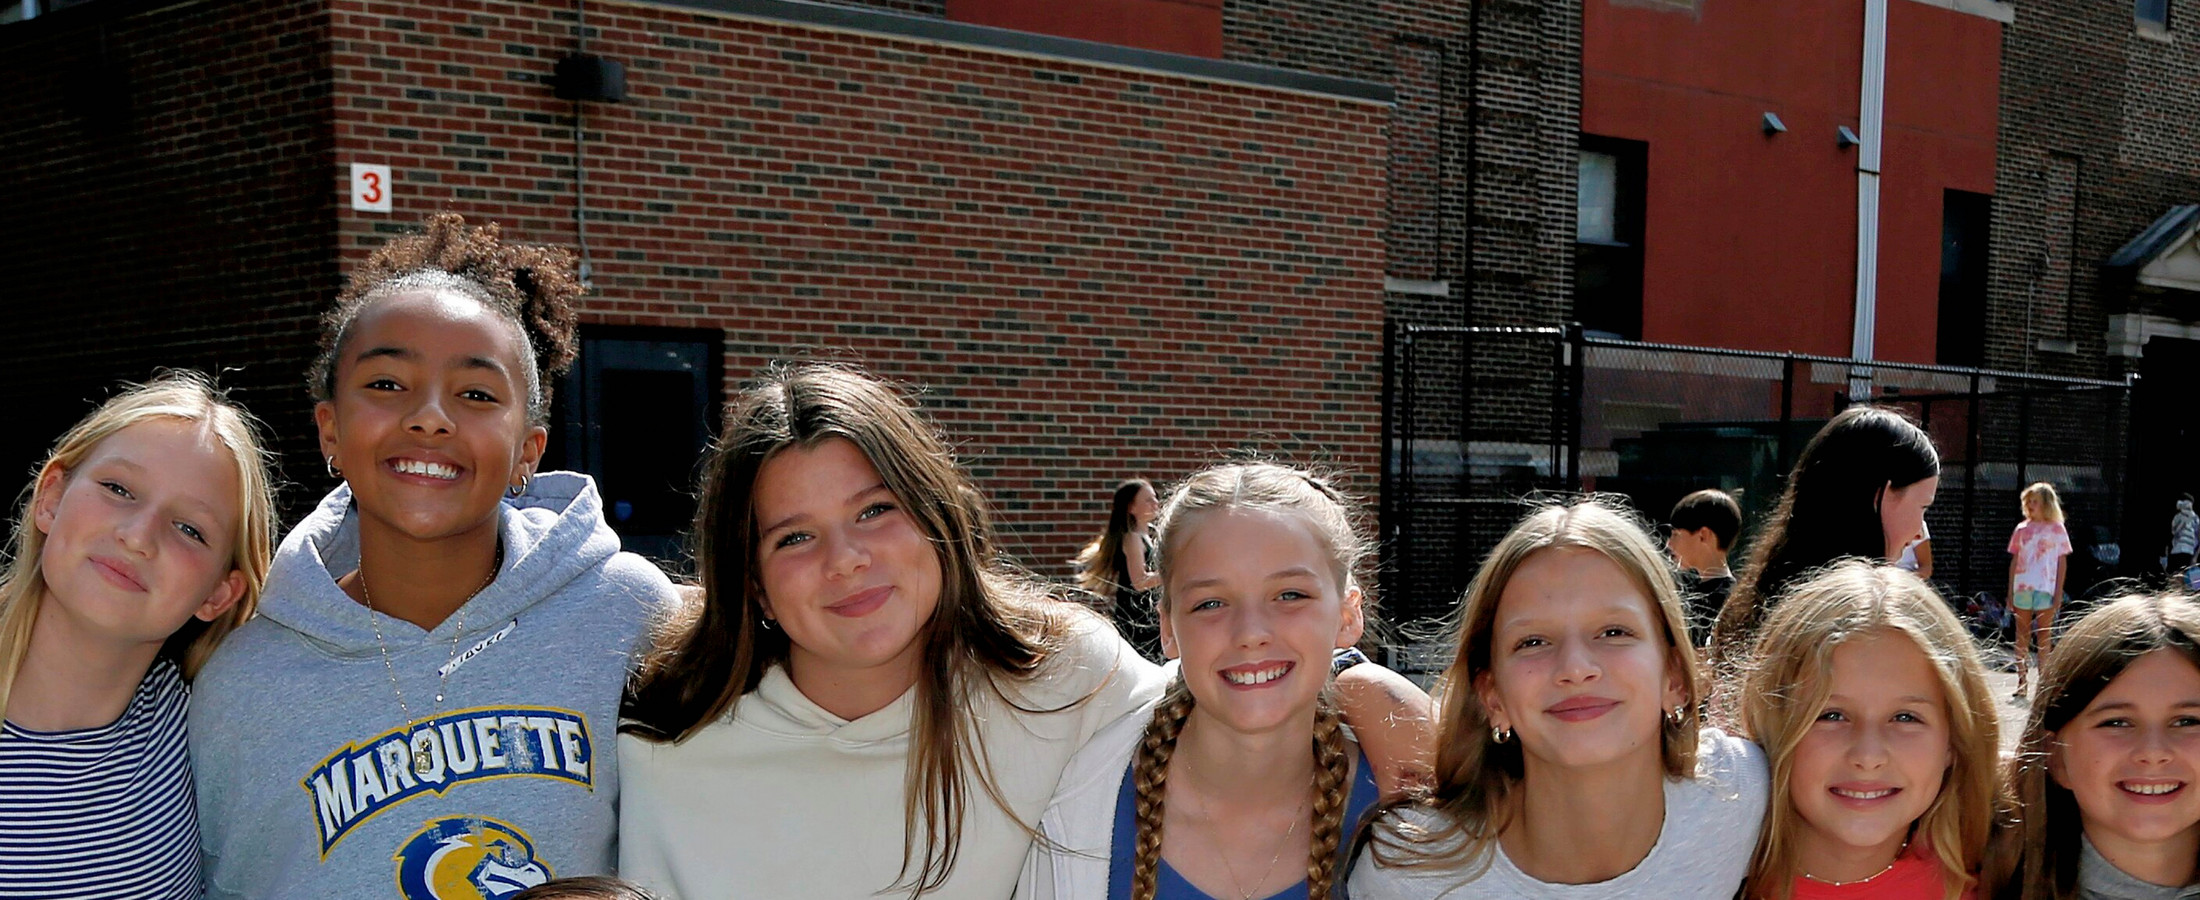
[
  {"x": 1235, "y": 885},
  {"x": 424, "y": 764},
  {"x": 1905, "y": 848}
]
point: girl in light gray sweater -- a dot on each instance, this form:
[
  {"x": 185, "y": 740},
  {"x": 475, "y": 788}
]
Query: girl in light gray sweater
[{"x": 1570, "y": 764}]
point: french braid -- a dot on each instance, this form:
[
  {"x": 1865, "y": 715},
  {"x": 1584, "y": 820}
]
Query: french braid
[{"x": 1150, "y": 778}]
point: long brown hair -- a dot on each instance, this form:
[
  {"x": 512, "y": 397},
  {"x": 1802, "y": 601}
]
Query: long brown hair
[
  {"x": 179, "y": 395},
  {"x": 1100, "y": 569},
  {"x": 2037, "y": 858},
  {"x": 1790, "y": 675},
  {"x": 1263, "y": 486},
  {"x": 990, "y": 626},
  {"x": 1476, "y": 777}
]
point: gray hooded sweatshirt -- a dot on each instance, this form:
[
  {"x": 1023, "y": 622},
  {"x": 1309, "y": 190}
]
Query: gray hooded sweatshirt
[{"x": 311, "y": 783}]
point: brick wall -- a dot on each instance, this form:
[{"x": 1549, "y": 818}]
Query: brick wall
[
  {"x": 167, "y": 202},
  {"x": 1482, "y": 176},
  {"x": 2098, "y": 128},
  {"x": 1095, "y": 272}
]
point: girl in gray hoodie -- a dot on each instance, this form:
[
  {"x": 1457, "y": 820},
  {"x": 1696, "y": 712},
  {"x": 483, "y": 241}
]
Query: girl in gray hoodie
[{"x": 429, "y": 695}]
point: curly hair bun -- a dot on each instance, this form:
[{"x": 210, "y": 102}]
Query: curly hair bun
[{"x": 532, "y": 285}]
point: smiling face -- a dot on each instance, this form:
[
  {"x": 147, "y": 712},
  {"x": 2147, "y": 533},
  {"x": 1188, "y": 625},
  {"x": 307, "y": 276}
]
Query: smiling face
[
  {"x": 1874, "y": 759},
  {"x": 1902, "y": 512},
  {"x": 1579, "y": 666},
  {"x": 846, "y": 571},
  {"x": 1254, "y": 605},
  {"x": 140, "y": 536},
  {"x": 2129, "y": 758},
  {"x": 428, "y": 417}
]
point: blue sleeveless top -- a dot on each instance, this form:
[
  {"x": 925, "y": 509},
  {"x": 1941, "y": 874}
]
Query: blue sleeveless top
[{"x": 1168, "y": 885}]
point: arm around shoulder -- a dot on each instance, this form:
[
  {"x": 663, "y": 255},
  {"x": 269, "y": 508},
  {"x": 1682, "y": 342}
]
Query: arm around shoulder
[{"x": 1394, "y": 722}]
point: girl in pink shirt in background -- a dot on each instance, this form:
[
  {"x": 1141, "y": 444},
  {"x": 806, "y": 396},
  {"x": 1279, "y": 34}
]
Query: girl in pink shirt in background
[{"x": 2038, "y": 560}]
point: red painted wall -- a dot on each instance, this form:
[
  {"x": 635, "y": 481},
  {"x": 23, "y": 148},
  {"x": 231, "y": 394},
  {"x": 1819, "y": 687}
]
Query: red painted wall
[
  {"x": 1751, "y": 239},
  {"x": 1191, "y": 27}
]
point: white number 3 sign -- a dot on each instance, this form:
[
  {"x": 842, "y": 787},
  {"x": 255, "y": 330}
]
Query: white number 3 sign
[{"x": 370, "y": 188}]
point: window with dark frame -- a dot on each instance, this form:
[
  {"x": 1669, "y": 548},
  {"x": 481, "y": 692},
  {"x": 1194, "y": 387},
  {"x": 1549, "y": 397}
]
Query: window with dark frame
[
  {"x": 2154, "y": 14},
  {"x": 1608, "y": 236},
  {"x": 636, "y": 413},
  {"x": 1966, "y": 222}
]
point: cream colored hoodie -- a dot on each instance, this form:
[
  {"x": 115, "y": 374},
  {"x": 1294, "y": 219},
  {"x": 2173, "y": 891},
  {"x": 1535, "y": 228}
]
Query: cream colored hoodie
[{"x": 784, "y": 799}]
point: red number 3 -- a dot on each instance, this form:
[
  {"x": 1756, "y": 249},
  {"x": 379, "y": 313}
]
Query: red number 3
[{"x": 373, "y": 193}]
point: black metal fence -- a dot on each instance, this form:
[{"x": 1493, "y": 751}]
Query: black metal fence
[{"x": 1477, "y": 421}]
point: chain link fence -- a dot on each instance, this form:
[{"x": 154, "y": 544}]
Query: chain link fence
[{"x": 1480, "y": 421}]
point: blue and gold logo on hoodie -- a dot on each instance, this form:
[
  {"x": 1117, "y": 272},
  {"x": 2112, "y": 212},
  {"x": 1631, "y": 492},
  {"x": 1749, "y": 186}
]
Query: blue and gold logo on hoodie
[
  {"x": 468, "y": 858},
  {"x": 361, "y": 780}
]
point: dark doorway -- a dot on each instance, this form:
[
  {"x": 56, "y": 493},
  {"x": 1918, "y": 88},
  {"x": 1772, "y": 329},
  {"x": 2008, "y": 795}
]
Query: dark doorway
[
  {"x": 1965, "y": 227},
  {"x": 2163, "y": 440},
  {"x": 636, "y": 412}
]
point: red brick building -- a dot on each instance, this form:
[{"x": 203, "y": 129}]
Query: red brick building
[{"x": 1097, "y": 258}]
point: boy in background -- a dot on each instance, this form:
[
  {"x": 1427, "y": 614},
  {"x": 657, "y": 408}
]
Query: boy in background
[{"x": 1703, "y": 527}]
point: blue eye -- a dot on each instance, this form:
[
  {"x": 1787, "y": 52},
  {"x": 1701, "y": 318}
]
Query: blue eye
[
  {"x": 116, "y": 489},
  {"x": 1907, "y": 717},
  {"x": 191, "y": 531},
  {"x": 875, "y": 510},
  {"x": 1206, "y": 604},
  {"x": 790, "y": 539},
  {"x": 1292, "y": 595}
]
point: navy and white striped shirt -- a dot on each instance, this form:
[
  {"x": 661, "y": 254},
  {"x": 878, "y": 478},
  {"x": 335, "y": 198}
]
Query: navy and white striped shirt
[{"x": 102, "y": 813}]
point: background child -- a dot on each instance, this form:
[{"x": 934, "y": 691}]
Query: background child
[
  {"x": 428, "y": 697},
  {"x": 1704, "y": 525},
  {"x": 2039, "y": 558},
  {"x": 1116, "y": 566},
  {"x": 2108, "y": 769},
  {"x": 1188, "y": 799},
  {"x": 140, "y": 546},
  {"x": 1868, "y": 696},
  {"x": 1568, "y": 762}
]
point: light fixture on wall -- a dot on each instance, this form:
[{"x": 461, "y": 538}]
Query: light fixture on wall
[
  {"x": 583, "y": 76},
  {"x": 1772, "y": 125},
  {"x": 1846, "y": 137}
]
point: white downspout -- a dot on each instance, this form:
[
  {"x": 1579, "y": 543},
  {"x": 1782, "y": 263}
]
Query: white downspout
[{"x": 1871, "y": 113}]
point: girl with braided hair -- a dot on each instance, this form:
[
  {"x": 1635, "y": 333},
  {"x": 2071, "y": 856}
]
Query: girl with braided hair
[
  {"x": 1243, "y": 763},
  {"x": 1570, "y": 763},
  {"x": 429, "y": 695}
]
